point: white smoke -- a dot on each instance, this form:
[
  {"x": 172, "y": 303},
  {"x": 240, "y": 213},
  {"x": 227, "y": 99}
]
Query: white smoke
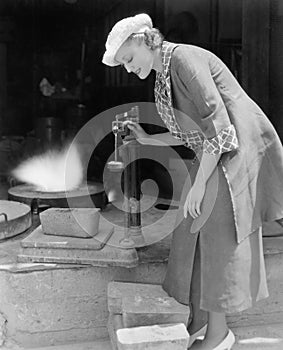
[{"x": 47, "y": 172}]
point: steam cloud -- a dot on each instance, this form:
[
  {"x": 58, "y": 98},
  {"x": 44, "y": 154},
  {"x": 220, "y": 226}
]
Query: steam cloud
[{"x": 48, "y": 171}]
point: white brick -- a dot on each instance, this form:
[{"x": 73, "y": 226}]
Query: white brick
[
  {"x": 73, "y": 222},
  {"x": 157, "y": 337}
]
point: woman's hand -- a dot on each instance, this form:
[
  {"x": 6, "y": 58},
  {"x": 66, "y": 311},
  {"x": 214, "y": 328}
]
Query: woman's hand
[
  {"x": 194, "y": 199},
  {"x": 138, "y": 132}
]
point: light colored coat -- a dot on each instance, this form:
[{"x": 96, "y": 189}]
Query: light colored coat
[
  {"x": 205, "y": 90},
  {"x": 221, "y": 267}
]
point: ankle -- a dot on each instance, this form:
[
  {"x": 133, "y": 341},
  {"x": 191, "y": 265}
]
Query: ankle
[
  {"x": 217, "y": 326},
  {"x": 217, "y": 334}
]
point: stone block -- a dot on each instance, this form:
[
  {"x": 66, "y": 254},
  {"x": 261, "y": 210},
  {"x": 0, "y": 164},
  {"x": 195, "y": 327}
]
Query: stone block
[
  {"x": 72, "y": 222},
  {"x": 61, "y": 303},
  {"x": 157, "y": 337},
  {"x": 114, "y": 323},
  {"x": 146, "y": 311},
  {"x": 117, "y": 290}
]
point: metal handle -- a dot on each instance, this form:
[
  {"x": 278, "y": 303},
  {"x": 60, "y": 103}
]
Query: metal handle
[
  {"x": 34, "y": 205},
  {"x": 4, "y": 233},
  {"x": 5, "y": 216}
]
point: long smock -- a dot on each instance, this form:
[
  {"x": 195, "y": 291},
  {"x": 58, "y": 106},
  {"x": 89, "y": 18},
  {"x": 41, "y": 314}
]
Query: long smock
[{"x": 220, "y": 267}]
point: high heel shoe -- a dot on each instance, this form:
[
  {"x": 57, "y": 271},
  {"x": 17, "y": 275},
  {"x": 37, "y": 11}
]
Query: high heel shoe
[
  {"x": 199, "y": 334},
  {"x": 227, "y": 342}
]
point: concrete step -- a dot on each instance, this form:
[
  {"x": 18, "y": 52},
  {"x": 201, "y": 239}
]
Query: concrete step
[
  {"x": 133, "y": 305},
  {"x": 95, "y": 345},
  {"x": 137, "y": 299},
  {"x": 267, "y": 337},
  {"x": 45, "y": 304}
]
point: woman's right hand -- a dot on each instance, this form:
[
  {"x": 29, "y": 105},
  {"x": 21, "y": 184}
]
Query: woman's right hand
[{"x": 139, "y": 133}]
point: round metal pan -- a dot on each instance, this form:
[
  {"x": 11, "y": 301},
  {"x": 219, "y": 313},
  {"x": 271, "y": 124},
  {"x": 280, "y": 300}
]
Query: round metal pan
[
  {"x": 78, "y": 197},
  {"x": 15, "y": 218}
]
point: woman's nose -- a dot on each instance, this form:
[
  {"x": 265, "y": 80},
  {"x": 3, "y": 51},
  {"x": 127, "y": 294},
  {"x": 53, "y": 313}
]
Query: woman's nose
[{"x": 128, "y": 69}]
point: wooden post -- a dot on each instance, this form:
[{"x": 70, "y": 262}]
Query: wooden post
[
  {"x": 255, "y": 46},
  {"x": 6, "y": 29},
  {"x": 3, "y": 85}
]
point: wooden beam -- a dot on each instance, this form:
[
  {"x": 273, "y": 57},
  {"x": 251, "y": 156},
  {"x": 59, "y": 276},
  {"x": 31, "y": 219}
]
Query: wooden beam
[
  {"x": 3, "y": 85},
  {"x": 255, "y": 48}
]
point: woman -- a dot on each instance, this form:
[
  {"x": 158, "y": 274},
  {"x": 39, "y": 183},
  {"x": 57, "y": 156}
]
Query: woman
[{"x": 218, "y": 269}]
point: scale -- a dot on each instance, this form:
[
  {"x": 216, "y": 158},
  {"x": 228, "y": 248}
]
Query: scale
[{"x": 130, "y": 167}]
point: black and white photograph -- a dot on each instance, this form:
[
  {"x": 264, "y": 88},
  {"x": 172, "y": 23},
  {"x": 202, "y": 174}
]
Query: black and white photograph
[{"x": 141, "y": 174}]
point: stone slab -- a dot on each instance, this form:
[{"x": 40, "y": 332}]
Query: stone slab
[
  {"x": 70, "y": 222},
  {"x": 37, "y": 239},
  {"x": 116, "y": 290},
  {"x": 146, "y": 311},
  {"x": 41, "y": 248},
  {"x": 157, "y": 337},
  {"x": 107, "y": 256}
]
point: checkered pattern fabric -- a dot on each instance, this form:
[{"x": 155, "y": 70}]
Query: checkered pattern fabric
[
  {"x": 225, "y": 141},
  {"x": 163, "y": 99}
]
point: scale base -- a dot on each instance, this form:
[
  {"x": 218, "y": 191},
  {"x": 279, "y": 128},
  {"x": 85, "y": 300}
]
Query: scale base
[{"x": 133, "y": 238}]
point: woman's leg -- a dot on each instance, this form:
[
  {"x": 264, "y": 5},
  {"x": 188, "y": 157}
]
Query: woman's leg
[
  {"x": 198, "y": 317},
  {"x": 217, "y": 330},
  {"x": 217, "y": 327}
]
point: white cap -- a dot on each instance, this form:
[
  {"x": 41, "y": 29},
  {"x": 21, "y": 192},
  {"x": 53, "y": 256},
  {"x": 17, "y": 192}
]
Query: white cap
[{"x": 120, "y": 32}]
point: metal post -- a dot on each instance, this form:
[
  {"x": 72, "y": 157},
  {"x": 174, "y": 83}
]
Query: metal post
[{"x": 131, "y": 179}]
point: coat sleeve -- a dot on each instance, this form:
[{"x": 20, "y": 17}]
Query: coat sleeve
[{"x": 194, "y": 72}]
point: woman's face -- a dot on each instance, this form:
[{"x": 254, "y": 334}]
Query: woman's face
[{"x": 136, "y": 58}]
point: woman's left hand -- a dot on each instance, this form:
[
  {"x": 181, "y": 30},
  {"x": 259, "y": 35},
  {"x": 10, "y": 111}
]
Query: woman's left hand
[{"x": 194, "y": 199}]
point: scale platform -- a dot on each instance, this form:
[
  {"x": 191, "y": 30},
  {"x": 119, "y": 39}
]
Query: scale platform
[
  {"x": 41, "y": 248},
  {"x": 104, "y": 249}
]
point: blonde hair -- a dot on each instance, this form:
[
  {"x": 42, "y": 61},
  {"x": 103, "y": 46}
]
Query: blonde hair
[{"x": 152, "y": 37}]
